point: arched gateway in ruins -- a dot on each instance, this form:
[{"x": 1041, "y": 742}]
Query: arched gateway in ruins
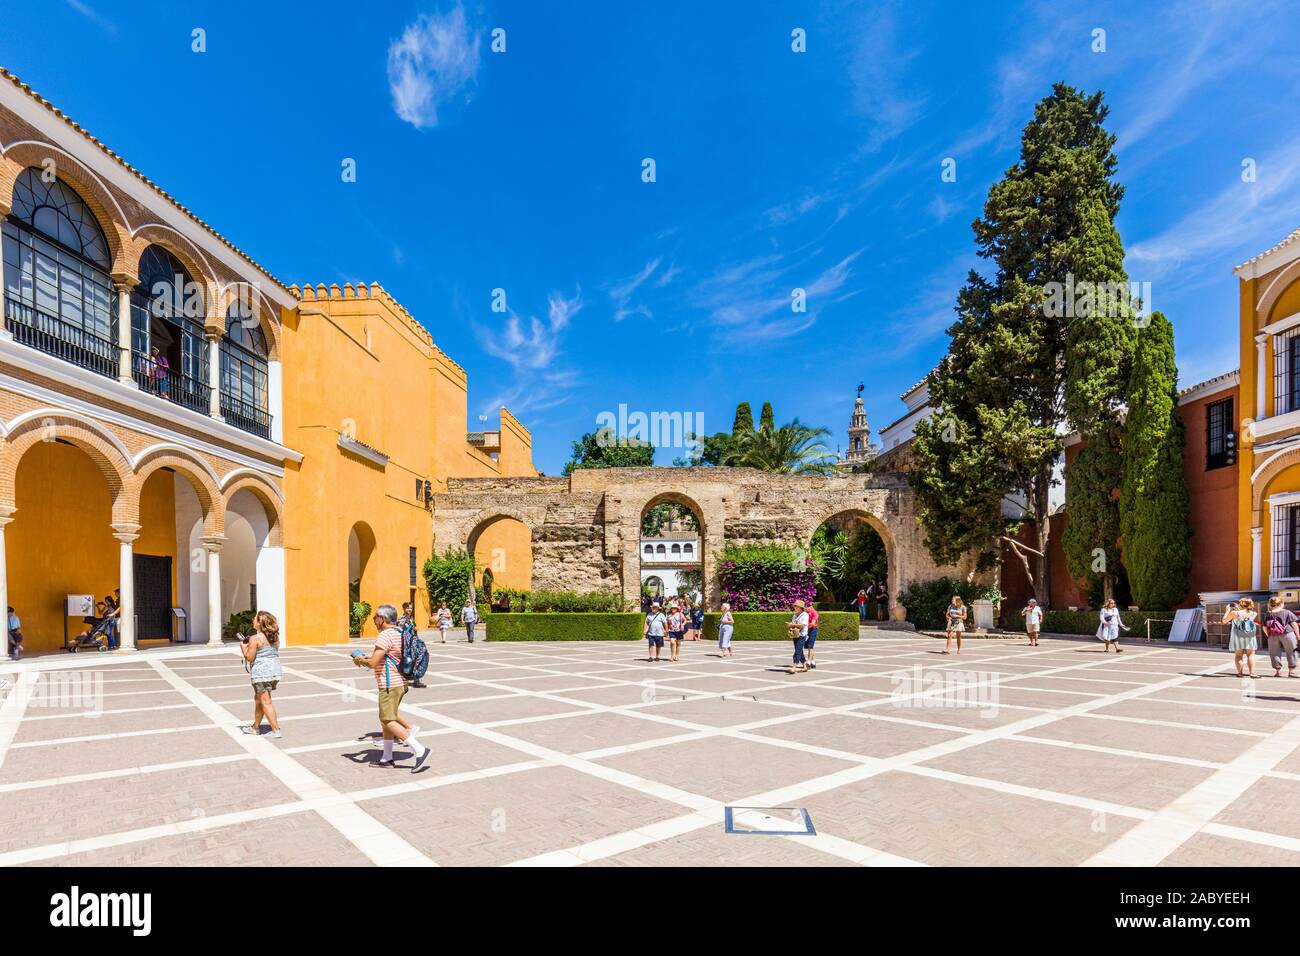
[{"x": 586, "y": 528}]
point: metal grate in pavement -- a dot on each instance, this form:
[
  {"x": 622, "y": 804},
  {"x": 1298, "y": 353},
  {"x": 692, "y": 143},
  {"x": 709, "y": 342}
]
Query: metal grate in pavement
[{"x": 770, "y": 821}]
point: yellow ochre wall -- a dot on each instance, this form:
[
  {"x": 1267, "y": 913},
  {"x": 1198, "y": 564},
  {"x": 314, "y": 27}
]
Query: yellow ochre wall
[
  {"x": 62, "y": 532},
  {"x": 505, "y": 546},
  {"x": 1251, "y": 322},
  {"x": 357, "y": 364}
]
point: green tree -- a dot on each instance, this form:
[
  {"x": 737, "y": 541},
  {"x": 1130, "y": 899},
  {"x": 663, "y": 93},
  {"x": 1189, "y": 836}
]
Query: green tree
[
  {"x": 766, "y": 419},
  {"x": 744, "y": 421},
  {"x": 603, "y": 449},
  {"x": 1000, "y": 393},
  {"x": 794, "y": 449},
  {"x": 1154, "y": 501}
]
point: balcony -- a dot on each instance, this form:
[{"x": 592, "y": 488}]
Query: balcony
[
  {"x": 245, "y": 415},
  {"x": 52, "y": 335}
]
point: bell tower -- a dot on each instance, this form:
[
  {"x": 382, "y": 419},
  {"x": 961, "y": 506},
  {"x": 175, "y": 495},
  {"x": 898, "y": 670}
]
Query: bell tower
[{"x": 860, "y": 449}]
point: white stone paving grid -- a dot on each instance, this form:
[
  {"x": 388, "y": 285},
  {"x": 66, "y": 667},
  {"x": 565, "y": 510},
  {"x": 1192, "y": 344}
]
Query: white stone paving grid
[{"x": 583, "y": 753}]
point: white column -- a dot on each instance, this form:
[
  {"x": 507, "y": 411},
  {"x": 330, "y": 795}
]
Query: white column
[
  {"x": 1256, "y": 558},
  {"x": 1261, "y": 375},
  {"x": 214, "y": 375},
  {"x": 274, "y": 399},
  {"x": 124, "y": 375},
  {"x": 270, "y": 584},
  {"x": 126, "y": 534},
  {"x": 213, "y": 547},
  {"x": 4, "y": 324}
]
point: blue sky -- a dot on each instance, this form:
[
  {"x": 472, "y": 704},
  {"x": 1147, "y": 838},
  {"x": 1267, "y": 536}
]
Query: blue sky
[{"x": 775, "y": 170}]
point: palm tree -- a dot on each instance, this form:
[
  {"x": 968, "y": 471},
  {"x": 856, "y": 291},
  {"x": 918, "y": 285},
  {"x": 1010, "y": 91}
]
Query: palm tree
[{"x": 792, "y": 449}]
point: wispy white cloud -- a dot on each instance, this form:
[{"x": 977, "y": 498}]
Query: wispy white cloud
[
  {"x": 94, "y": 16},
  {"x": 623, "y": 291},
  {"x": 434, "y": 62},
  {"x": 528, "y": 343},
  {"x": 1240, "y": 217}
]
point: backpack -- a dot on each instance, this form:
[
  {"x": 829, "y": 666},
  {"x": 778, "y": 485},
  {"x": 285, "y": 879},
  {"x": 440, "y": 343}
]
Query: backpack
[
  {"x": 1245, "y": 625},
  {"x": 1274, "y": 627},
  {"x": 415, "y": 656}
]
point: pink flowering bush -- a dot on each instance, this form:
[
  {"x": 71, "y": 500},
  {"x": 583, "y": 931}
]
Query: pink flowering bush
[{"x": 765, "y": 578}]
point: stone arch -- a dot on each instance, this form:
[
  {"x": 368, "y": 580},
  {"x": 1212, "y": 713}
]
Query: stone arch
[
  {"x": 99, "y": 444},
  {"x": 893, "y": 572},
  {"x": 269, "y": 497},
  {"x": 711, "y": 541},
  {"x": 487, "y": 519},
  {"x": 195, "y": 470},
  {"x": 92, "y": 190},
  {"x": 188, "y": 254}
]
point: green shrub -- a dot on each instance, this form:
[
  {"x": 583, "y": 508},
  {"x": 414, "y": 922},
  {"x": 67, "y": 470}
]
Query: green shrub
[
  {"x": 570, "y": 602},
  {"x": 1086, "y": 622},
  {"x": 239, "y": 623},
  {"x": 448, "y": 577},
  {"x": 565, "y": 626},
  {"x": 357, "y": 616},
  {"x": 770, "y": 626},
  {"x": 927, "y": 601}
]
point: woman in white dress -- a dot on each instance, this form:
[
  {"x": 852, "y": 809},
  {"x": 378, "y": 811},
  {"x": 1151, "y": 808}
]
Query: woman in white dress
[
  {"x": 726, "y": 625},
  {"x": 1245, "y": 635},
  {"x": 1109, "y": 628},
  {"x": 956, "y": 623}
]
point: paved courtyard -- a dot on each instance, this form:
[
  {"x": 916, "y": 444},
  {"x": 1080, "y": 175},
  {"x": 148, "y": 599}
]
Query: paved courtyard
[{"x": 569, "y": 754}]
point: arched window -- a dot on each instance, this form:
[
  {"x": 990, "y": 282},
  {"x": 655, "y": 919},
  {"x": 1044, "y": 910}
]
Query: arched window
[
  {"x": 677, "y": 549},
  {"x": 58, "y": 294},
  {"x": 244, "y": 371},
  {"x": 688, "y": 549},
  {"x": 661, "y": 550},
  {"x": 167, "y": 314},
  {"x": 649, "y": 549}
]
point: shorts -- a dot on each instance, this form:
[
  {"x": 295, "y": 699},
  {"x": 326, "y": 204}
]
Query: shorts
[
  {"x": 811, "y": 639},
  {"x": 262, "y": 686},
  {"x": 957, "y": 626},
  {"x": 675, "y": 635},
  {"x": 1032, "y": 629},
  {"x": 655, "y": 640},
  {"x": 390, "y": 698}
]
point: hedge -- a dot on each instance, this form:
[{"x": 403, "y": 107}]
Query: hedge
[
  {"x": 770, "y": 626},
  {"x": 562, "y": 626},
  {"x": 1086, "y": 622}
]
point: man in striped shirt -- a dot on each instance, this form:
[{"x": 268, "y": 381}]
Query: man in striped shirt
[{"x": 386, "y": 661}]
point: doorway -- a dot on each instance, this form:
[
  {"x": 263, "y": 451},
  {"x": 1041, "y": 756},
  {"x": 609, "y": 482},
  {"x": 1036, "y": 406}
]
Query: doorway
[{"x": 153, "y": 597}]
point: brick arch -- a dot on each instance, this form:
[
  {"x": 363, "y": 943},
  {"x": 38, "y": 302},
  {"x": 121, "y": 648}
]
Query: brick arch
[
  {"x": 100, "y": 445},
  {"x": 1279, "y": 284},
  {"x": 266, "y": 311},
  {"x": 269, "y": 497},
  {"x": 108, "y": 212},
  {"x": 195, "y": 470},
  {"x": 480, "y": 522},
  {"x": 892, "y": 570},
  {"x": 189, "y": 255},
  {"x": 711, "y": 543}
]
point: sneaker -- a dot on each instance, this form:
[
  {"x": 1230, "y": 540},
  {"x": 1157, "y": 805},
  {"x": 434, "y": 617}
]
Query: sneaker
[
  {"x": 812, "y": 665},
  {"x": 384, "y": 764},
  {"x": 276, "y": 735},
  {"x": 419, "y": 761},
  {"x": 246, "y": 729}
]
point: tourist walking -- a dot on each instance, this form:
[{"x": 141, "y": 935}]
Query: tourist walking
[
  {"x": 676, "y": 628},
  {"x": 697, "y": 621},
  {"x": 1033, "y": 615},
  {"x": 726, "y": 625},
  {"x": 656, "y": 623},
  {"x": 1244, "y": 641},
  {"x": 956, "y": 615},
  {"x": 444, "y": 620},
  {"x": 814, "y": 621},
  {"x": 1283, "y": 629},
  {"x": 113, "y": 611},
  {"x": 1109, "y": 627},
  {"x": 14, "y": 629},
  {"x": 261, "y": 653},
  {"x": 469, "y": 617},
  {"x": 861, "y": 602},
  {"x": 386, "y": 661},
  {"x": 798, "y": 628}
]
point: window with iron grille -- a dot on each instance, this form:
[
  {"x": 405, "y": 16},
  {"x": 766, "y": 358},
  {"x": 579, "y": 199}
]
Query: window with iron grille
[
  {"x": 1219, "y": 450},
  {"x": 1286, "y": 371},
  {"x": 1286, "y": 541},
  {"x": 412, "y": 567}
]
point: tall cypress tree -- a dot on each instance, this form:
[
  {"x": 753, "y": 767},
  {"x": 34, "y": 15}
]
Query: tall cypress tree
[
  {"x": 1154, "y": 502},
  {"x": 744, "y": 421},
  {"x": 1000, "y": 394},
  {"x": 766, "y": 420}
]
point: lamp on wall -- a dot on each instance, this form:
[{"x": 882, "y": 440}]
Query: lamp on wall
[
  {"x": 428, "y": 492},
  {"x": 1230, "y": 447}
]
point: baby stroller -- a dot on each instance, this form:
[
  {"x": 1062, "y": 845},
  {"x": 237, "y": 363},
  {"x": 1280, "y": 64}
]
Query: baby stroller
[{"x": 96, "y": 637}]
